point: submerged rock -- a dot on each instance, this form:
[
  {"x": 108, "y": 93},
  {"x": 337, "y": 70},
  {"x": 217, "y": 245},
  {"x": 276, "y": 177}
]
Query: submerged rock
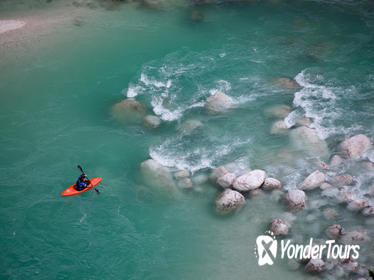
[
  {"x": 355, "y": 235},
  {"x": 200, "y": 179},
  {"x": 218, "y": 103},
  {"x": 129, "y": 110},
  {"x": 271, "y": 184},
  {"x": 181, "y": 174},
  {"x": 10, "y": 24},
  {"x": 216, "y": 173},
  {"x": 151, "y": 121},
  {"x": 303, "y": 121},
  {"x": 334, "y": 231},
  {"x": 357, "y": 204},
  {"x": 279, "y": 227},
  {"x": 296, "y": 199},
  {"x": 336, "y": 160},
  {"x": 330, "y": 214},
  {"x": 185, "y": 183},
  {"x": 313, "y": 181},
  {"x": 190, "y": 126},
  {"x": 368, "y": 211},
  {"x": 315, "y": 266},
  {"x": 287, "y": 83},
  {"x": 228, "y": 201},
  {"x": 226, "y": 180},
  {"x": 157, "y": 176},
  {"x": 341, "y": 180},
  {"x": 355, "y": 146},
  {"x": 255, "y": 192},
  {"x": 278, "y": 111},
  {"x": 250, "y": 180},
  {"x": 306, "y": 139},
  {"x": 278, "y": 127}
]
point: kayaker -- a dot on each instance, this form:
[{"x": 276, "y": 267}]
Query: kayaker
[{"x": 82, "y": 182}]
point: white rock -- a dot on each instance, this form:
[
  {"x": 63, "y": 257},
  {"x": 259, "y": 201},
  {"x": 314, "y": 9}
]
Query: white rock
[
  {"x": 352, "y": 236},
  {"x": 8, "y": 25},
  {"x": 185, "y": 183},
  {"x": 330, "y": 214},
  {"x": 255, "y": 192},
  {"x": 315, "y": 266},
  {"x": 325, "y": 186},
  {"x": 368, "y": 211},
  {"x": 287, "y": 83},
  {"x": 278, "y": 111},
  {"x": 229, "y": 200},
  {"x": 357, "y": 204},
  {"x": 313, "y": 181},
  {"x": 128, "y": 110},
  {"x": 218, "y": 103},
  {"x": 151, "y": 121},
  {"x": 190, "y": 126},
  {"x": 200, "y": 179},
  {"x": 226, "y": 180},
  {"x": 279, "y": 227},
  {"x": 335, "y": 231},
  {"x": 181, "y": 174},
  {"x": 216, "y": 173},
  {"x": 355, "y": 146},
  {"x": 306, "y": 139},
  {"x": 250, "y": 180},
  {"x": 271, "y": 184},
  {"x": 341, "y": 180},
  {"x": 278, "y": 127},
  {"x": 156, "y": 175},
  {"x": 336, "y": 160},
  {"x": 296, "y": 199},
  {"x": 303, "y": 122}
]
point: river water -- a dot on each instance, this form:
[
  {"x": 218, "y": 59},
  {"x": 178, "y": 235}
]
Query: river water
[{"x": 59, "y": 81}]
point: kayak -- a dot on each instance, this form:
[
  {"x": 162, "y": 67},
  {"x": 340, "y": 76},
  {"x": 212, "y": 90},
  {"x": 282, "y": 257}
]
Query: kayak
[{"x": 72, "y": 191}]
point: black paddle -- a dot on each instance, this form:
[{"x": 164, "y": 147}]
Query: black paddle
[{"x": 81, "y": 169}]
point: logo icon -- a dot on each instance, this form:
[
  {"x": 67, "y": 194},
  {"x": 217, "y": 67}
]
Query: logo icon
[{"x": 266, "y": 249}]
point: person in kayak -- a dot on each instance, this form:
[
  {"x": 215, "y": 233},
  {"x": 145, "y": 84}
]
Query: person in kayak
[{"x": 82, "y": 182}]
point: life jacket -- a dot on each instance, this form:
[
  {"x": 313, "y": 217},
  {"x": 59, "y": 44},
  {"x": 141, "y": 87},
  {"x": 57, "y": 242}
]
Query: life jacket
[{"x": 80, "y": 183}]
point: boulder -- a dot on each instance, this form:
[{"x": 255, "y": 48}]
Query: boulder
[
  {"x": 355, "y": 146},
  {"x": 10, "y": 24},
  {"x": 313, "y": 181},
  {"x": 200, "y": 179},
  {"x": 250, "y": 180},
  {"x": 278, "y": 111},
  {"x": 228, "y": 201},
  {"x": 296, "y": 199},
  {"x": 190, "y": 126},
  {"x": 184, "y": 183},
  {"x": 353, "y": 236},
  {"x": 341, "y": 180},
  {"x": 129, "y": 110},
  {"x": 330, "y": 214},
  {"x": 306, "y": 139},
  {"x": 279, "y": 227},
  {"x": 181, "y": 174},
  {"x": 368, "y": 211},
  {"x": 226, "y": 180},
  {"x": 287, "y": 83},
  {"x": 216, "y": 173},
  {"x": 357, "y": 204},
  {"x": 151, "y": 121},
  {"x": 278, "y": 127},
  {"x": 336, "y": 160},
  {"x": 315, "y": 266},
  {"x": 271, "y": 184},
  {"x": 303, "y": 121},
  {"x": 334, "y": 231},
  {"x": 157, "y": 176},
  {"x": 218, "y": 103}
]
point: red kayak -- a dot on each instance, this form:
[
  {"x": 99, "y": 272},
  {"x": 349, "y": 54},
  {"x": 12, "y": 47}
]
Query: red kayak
[{"x": 72, "y": 191}]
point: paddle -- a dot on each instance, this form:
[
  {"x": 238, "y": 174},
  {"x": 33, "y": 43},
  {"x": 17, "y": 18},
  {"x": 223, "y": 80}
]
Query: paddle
[{"x": 81, "y": 169}]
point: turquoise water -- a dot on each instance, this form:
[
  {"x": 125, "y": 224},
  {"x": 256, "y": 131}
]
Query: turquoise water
[{"x": 56, "y": 93}]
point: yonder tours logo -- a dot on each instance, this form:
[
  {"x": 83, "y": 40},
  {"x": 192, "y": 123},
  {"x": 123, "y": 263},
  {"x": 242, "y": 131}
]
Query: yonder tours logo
[{"x": 267, "y": 250}]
